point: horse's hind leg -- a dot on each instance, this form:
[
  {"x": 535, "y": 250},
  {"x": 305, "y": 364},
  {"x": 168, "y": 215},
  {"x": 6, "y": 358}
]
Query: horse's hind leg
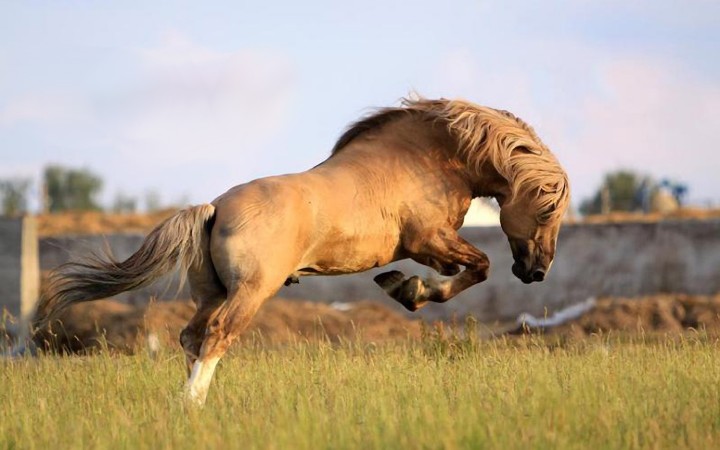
[
  {"x": 208, "y": 293},
  {"x": 443, "y": 248},
  {"x": 192, "y": 335},
  {"x": 225, "y": 324}
]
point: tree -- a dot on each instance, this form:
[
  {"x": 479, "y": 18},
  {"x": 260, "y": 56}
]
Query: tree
[
  {"x": 14, "y": 196},
  {"x": 620, "y": 191},
  {"x": 71, "y": 189},
  {"x": 124, "y": 204},
  {"x": 152, "y": 201}
]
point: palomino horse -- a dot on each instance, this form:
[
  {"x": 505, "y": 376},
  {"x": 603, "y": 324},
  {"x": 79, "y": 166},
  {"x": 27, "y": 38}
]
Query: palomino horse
[{"x": 397, "y": 185}]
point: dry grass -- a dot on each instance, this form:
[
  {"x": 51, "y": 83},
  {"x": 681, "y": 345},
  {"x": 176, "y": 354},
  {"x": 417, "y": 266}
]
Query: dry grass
[
  {"x": 680, "y": 214},
  {"x": 97, "y": 222},
  {"x": 440, "y": 392}
]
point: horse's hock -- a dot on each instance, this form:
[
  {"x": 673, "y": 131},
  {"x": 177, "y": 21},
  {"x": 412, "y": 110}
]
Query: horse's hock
[{"x": 19, "y": 267}]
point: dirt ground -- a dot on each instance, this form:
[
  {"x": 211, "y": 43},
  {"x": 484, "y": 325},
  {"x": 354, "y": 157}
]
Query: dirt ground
[
  {"x": 127, "y": 328},
  {"x": 658, "y": 314}
]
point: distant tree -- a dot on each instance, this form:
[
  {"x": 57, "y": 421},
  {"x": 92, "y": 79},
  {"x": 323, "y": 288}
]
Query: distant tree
[
  {"x": 71, "y": 189},
  {"x": 620, "y": 191},
  {"x": 14, "y": 196},
  {"x": 124, "y": 204},
  {"x": 152, "y": 201},
  {"x": 182, "y": 202}
]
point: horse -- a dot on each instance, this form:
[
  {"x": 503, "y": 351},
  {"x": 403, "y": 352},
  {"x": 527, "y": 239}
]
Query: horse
[{"x": 397, "y": 185}]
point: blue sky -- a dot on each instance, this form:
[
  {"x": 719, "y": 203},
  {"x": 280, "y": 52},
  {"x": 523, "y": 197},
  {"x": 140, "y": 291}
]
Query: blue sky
[{"x": 190, "y": 98}]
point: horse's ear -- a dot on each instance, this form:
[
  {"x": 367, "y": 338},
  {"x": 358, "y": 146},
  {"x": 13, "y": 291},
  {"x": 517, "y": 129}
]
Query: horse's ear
[{"x": 531, "y": 150}]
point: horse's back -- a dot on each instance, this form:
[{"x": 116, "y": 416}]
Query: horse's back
[{"x": 300, "y": 224}]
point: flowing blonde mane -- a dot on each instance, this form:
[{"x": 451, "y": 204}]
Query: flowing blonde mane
[{"x": 487, "y": 135}]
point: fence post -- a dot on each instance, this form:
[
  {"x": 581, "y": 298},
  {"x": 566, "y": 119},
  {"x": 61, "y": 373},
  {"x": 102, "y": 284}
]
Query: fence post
[{"x": 19, "y": 271}]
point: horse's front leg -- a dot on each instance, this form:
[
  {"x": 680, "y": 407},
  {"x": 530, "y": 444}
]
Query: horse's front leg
[{"x": 443, "y": 250}]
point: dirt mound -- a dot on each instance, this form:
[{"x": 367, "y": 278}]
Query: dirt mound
[
  {"x": 672, "y": 314},
  {"x": 126, "y": 328},
  {"x": 680, "y": 214}
]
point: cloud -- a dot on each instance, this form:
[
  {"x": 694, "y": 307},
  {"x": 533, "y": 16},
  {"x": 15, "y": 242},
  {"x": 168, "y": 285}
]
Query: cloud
[
  {"x": 194, "y": 103},
  {"x": 46, "y": 108},
  {"x": 601, "y": 110},
  {"x": 179, "y": 105},
  {"x": 654, "y": 116}
]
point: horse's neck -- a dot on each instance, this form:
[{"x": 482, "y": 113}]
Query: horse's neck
[
  {"x": 489, "y": 183},
  {"x": 434, "y": 141},
  {"x": 427, "y": 152}
]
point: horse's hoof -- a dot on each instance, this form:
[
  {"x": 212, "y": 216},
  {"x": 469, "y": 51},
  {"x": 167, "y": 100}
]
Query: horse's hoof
[
  {"x": 389, "y": 280},
  {"x": 410, "y": 306},
  {"x": 413, "y": 305}
]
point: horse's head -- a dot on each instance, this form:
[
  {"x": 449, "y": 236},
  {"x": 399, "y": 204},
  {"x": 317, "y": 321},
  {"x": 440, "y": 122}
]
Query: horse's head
[
  {"x": 504, "y": 158},
  {"x": 531, "y": 224}
]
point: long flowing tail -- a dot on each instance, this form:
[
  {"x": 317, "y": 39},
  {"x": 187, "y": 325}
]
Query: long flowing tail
[{"x": 177, "y": 239}]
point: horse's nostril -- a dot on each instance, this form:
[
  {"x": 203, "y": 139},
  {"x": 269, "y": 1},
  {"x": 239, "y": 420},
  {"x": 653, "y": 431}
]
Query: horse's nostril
[{"x": 538, "y": 275}]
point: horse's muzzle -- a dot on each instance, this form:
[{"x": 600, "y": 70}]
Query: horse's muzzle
[{"x": 527, "y": 276}]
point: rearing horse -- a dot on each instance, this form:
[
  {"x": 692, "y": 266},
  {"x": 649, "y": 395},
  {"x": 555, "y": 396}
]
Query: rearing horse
[{"x": 397, "y": 185}]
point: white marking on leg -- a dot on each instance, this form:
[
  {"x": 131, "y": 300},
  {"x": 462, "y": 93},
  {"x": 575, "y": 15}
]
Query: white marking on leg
[{"x": 197, "y": 386}]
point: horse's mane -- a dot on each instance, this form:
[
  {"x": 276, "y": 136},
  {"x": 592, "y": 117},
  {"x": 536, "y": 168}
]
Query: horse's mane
[{"x": 486, "y": 134}]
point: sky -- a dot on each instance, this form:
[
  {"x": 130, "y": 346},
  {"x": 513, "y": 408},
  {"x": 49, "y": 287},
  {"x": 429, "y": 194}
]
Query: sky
[{"x": 187, "y": 99}]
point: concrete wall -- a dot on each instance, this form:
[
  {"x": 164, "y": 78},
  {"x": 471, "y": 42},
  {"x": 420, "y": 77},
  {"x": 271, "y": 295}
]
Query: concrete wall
[
  {"x": 19, "y": 271},
  {"x": 592, "y": 260}
]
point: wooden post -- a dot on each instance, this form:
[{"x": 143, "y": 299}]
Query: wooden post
[{"x": 19, "y": 271}]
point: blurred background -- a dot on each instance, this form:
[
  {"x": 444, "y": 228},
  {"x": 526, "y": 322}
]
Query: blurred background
[
  {"x": 174, "y": 102},
  {"x": 132, "y": 109}
]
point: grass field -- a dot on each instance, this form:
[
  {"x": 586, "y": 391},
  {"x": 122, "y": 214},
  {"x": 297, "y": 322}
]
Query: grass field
[{"x": 439, "y": 393}]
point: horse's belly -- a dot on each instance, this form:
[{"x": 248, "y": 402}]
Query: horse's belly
[
  {"x": 326, "y": 268},
  {"x": 348, "y": 256}
]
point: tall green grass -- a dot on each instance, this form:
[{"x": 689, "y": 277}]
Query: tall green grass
[{"x": 437, "y": 393}]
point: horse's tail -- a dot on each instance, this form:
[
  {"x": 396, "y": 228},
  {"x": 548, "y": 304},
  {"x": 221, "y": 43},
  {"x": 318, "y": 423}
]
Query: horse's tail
[{"x": 177, "y": 239}]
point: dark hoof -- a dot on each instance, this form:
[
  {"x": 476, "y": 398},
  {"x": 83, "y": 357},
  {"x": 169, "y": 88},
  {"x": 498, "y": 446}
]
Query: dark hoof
[
  {"x": 413, "y": 305},
  {"x": 408, "y": 293},
  {"x": 292, "y": 280},
  {"x": 410, "y": 306},
  {"x": 389, "y": 280}
]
